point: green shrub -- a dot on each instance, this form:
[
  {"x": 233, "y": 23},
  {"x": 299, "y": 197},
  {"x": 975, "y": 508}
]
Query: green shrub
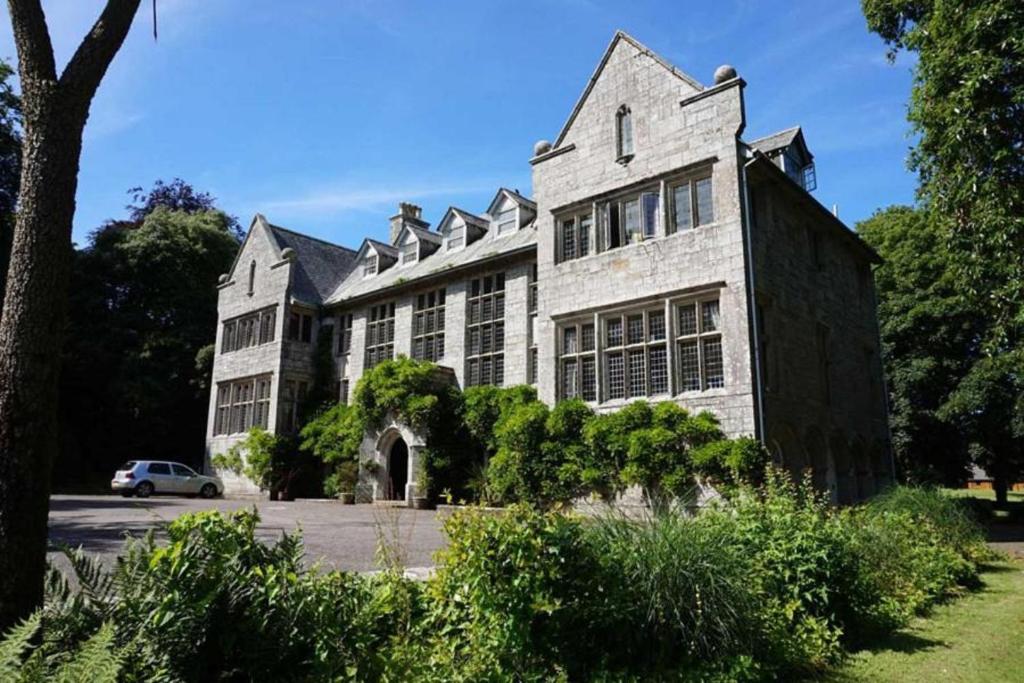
[
  {"x": 674, "y": 595},
  {"x": 510, "y": 595},
  {"x": 485, "y": 408},
  {"x": 263, "y": 457},
  {"x": 949, "y": 517},
  {"x": 728, "y": 461}
]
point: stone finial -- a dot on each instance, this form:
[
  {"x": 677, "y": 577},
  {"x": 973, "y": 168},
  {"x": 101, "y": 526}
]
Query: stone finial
[
  {"x": 724, "y": 73},
  {"x": 223, "y": 278},
  {"x": 288, "y": 254},
  {"x": 541, "y": 147}
]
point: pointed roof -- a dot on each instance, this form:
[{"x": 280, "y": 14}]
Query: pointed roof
[
  {"x": 466, "y": 216},
  {"x": 321, "y": 264},
  {"x": 423, "y": 234},
  {"x": 622, "y": 35},
  {"x": 381, "y": 248},
  {"x": 514, "y": 196},
  {"x": 781, "y": 140}
]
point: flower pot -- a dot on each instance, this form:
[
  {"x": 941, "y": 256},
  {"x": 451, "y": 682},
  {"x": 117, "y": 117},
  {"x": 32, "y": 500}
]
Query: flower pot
[
  {"x": 347, "y": 498},
  {"x": 420, "y": 503}
]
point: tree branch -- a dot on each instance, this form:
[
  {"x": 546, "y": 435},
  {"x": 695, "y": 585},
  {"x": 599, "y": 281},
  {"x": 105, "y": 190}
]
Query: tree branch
[
  {"x": 84, "y": 72},
  {"x": 35, "y": 52}
]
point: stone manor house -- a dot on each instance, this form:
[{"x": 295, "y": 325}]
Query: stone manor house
[{"x": 661, "y": 257}]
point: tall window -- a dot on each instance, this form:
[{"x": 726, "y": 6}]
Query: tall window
[
  {"x": 624, "y": 133},
  {"x": 577, "y": 364},
  {"x": 300, "y": 327},
  {"x": 410, "y": 251},
  {"x": 507, "y": 221},
  {"x": 456, "y": 237},
  {"x": 293, "y": 394},
  {"x": 485, "y": 331},
  {"x": 575, "y": 236},
  {"x": 344, "y": 333},
  {"x": 531, "y": 309},
  {"x": 428, "y": 326},
  {"x": 635, "y": 355},
  {"x": 699, "y": 346},
  {"x": 248, "y": 330},
  {"x": 252, "y": 278},
  {"x": 242, "y": 404},
  {"x": 369, "y": 265},
  {"x": 380, "y": 334},
  {"x": 692, "y": 204},
  {"x": 630, "y": 218}
]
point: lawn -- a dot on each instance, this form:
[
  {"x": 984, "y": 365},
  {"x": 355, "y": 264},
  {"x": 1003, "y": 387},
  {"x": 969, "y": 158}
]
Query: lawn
[{"x": 979, "y": 637}]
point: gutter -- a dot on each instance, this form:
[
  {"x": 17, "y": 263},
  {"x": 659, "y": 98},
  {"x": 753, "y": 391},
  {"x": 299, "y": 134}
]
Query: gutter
[{"x": 752, "y": 300}]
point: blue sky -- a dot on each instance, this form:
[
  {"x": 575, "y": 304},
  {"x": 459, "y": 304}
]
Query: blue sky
[{"x": 324, "y": 115}]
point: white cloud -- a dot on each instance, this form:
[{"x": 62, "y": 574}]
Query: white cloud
[{"x": 369, "y": 197}]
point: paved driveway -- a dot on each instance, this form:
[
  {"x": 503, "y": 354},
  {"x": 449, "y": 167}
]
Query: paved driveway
[{"x": 341, "y": 536}]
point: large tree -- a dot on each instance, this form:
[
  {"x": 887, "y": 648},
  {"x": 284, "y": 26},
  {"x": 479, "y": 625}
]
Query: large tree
[
  {"x": 10, "y": 167},
  {"x": 967, "y": 107},
  {"x": 143, "y": 304},
  {"x": 55, "y": 108}
]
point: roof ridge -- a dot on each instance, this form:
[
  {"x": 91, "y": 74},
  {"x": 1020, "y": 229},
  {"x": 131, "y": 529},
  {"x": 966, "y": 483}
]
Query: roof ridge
[{"x": 310, "y": 237}]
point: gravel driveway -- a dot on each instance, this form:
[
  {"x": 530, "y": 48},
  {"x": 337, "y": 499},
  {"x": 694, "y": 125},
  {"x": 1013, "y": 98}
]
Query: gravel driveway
[{"x": 340, "y": 536}]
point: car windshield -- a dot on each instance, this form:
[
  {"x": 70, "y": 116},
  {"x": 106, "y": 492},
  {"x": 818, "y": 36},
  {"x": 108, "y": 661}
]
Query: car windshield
[{"x": 128, "y": 465}]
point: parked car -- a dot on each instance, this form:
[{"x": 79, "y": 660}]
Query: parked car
[{"x": 143, "y": 478}]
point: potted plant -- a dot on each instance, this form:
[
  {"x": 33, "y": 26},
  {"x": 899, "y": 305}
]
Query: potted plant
[
  {"x": 421, "y": 501},
  {"x": 348, "y": 477}
]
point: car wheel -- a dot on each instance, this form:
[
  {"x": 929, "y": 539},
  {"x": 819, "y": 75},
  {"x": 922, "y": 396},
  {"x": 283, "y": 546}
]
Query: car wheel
[
  {"x": 144, "y": 490},
  {"x": 208, "y": 491}
]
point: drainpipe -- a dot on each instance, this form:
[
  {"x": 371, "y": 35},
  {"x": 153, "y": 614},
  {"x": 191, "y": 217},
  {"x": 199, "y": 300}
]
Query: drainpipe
[{"x": 752, "y": 300}]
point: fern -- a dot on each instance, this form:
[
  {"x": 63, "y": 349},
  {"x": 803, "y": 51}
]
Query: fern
[
  {"x": 14, "y": 645},
  {"x": 96, "y": 661}
]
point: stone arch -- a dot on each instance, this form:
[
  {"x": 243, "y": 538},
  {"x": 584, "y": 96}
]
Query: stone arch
[
  {"x": 821, "y": 463},
  {"x": 862, "y": 466},
  {"x": 846, "y": 478},
  {"x": 381, "y": 478},
  {"x": 880, "y": 465},
  {"x": 788, "y": 451}
]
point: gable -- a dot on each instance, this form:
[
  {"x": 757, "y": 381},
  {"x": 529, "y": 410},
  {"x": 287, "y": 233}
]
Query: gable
[
  {"x": 258, "y": 245},
  {"x": 625, "y": 73}
]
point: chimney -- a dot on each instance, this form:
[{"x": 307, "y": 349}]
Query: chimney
[{"x": 408, "y": 214}]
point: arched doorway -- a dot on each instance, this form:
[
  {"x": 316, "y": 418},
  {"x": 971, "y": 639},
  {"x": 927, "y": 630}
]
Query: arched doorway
[{"x": 398, "y": 470}]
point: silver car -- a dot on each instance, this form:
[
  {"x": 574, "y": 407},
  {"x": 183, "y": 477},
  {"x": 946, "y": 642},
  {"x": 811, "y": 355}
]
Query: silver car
[{"x": 143, "y": 478}]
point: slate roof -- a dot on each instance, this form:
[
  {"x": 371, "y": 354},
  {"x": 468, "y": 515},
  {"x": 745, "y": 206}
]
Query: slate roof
[
  {"x": 525, "y": 201},
  {"x": 483, "y": 249},
  {"x": 470, "y": 218},
  {"x": 383, "y": 249},
  {"x": 770, "y": 143},
  {"x": 425, "y": 235},
  {"x": 321, "y": 266}
]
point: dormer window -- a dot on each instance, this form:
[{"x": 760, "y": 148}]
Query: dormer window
[
  {"x": 624, "y": 134},
  {"x": 369, "y": 265},
  {"x": 456, "y": 237},
  {"x": 410, "y": 251},
  {"x": 506, "y": 221}
]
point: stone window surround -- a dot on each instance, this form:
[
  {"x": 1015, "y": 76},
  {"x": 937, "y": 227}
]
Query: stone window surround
[
  {"x": 595, "y": 207},
  {"x": 670, "y": 301},
  {"x": 263, "y": 330},
  {"x": 491, "y": 327},
  {"x": 242, "y": 403},
  {"x": 379, "y": 335},
  {"x": 428, "y": 325}
]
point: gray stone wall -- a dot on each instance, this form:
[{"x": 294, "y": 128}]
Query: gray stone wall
[
  {"x": 839, "y": 430},
  {"x": 669, "y": 138}
]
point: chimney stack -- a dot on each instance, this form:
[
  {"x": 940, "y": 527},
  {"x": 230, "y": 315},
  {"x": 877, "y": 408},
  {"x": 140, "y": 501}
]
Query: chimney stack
[{"x": 408, "y": 214}]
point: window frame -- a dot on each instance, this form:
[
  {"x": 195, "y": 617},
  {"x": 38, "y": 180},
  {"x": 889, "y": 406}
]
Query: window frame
[
  {"x": 700, "y": 338},
  {"x": 489, "y": 362},
  {"x": 380, "y": 328},
  {"x": 453, "y": 242},
  {"x": 690, "y": 181},
  {"x": 370, "y": 264},
  {"x": 625, "y": 141},
  {"x": 629, "y": 349},
  {"x": 577, "y": 357},
  {"x": 428, "y": 325},
  {"x": 500, "y": 225},
  {"x": 575, "y": 227}
]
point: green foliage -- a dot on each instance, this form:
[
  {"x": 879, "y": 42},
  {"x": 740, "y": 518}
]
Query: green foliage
[
  {"x": 143, "y": 304},
  {"x": 731, "y": 460},
  {"x": 486, "y": 406},
  {"x": 772, "y": 586},
  {"x": 509, "y": 595},
  {"x": 334, "y": 435},
  {"x": 260, "y": 456},
  {"x": 965, "y": 110}
]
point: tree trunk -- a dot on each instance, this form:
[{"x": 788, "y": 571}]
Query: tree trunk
[
  {"x": 1001, "y": 485},
  {"x": 32, "y": 321}
]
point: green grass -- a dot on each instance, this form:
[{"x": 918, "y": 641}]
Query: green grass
[
  {"x": 986, "y": 494},
  {"x": 979, "y": 637}
]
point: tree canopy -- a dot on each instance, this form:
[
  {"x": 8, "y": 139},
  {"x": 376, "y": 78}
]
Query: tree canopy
[
  {"x": 142, "y": 317},
  {"x": 967, "y": 108}
]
